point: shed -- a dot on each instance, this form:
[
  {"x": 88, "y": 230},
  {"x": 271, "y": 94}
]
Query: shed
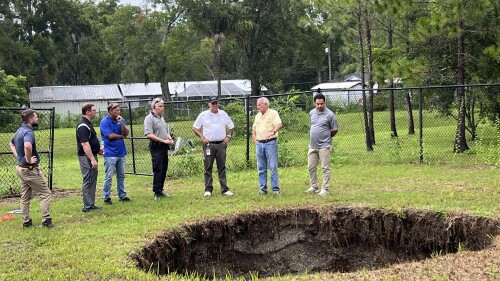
[
  {"x": 69, "y": 99},
  {"x": 340, "y": 93},
  {"x": 188, "y": 90}
]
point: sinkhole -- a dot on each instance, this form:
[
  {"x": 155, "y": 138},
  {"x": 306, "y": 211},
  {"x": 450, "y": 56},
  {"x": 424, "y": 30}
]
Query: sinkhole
[{"x": 298, "y": 240}]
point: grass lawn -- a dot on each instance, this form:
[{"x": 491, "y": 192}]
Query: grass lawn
[{"x": 96, "y": 245}]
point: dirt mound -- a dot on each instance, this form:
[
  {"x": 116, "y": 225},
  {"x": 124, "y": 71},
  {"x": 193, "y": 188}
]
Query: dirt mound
[{"x": 297, "y": 240}]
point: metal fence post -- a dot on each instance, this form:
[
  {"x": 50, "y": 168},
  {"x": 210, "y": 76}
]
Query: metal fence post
[
  {"x": 420, "y": 121},
  {"x": 51, "y": 148},
  {"x": 132, "y": 135},
  {"x": 247, "y": 109}
]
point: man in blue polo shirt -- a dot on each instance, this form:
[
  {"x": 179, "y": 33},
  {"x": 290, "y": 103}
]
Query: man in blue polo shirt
[
  {"x": 113, "y": 131},
  {"x": 323, "y": 128}
]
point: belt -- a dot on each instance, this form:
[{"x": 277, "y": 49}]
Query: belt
[
  {"x": 264, "y": 141},
  {"x": 215, "y": 142},
  {"x": 29, "y": 167}
]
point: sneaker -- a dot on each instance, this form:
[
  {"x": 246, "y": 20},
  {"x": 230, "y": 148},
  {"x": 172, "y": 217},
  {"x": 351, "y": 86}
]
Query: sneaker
[
  {"x": 323, "y": 192},
  {"x": 124, "y": 199},
  {"x": 276, "y": 193},
  {"x": 208, "y": 193},
  {"x": 48, "y": 223},
  {"x": 228, "y": 193},
  {"x": 262, "y": 192},
  {"x": 94, "y": 207},
  {"x": 108, "y": 201},
  {"x": 312, "y": 189},
  {"x": 28, "y": 224}
]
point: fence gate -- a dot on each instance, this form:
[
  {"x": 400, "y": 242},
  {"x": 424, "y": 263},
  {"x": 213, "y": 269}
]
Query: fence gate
[{"x": 10, "y": 121}]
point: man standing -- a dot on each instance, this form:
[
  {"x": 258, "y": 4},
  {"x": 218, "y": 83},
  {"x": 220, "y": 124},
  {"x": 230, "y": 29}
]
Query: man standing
[
  {"x": 88, "y": 147},
  {"x": 23, "y": 146},
  {"x": 323, "y": 128},
  {"x": 156, "y": 131},
  {"x": 265, "y": 134},
  {"x": 210, "y": 126},
  {"x": 113, "y": 131}
]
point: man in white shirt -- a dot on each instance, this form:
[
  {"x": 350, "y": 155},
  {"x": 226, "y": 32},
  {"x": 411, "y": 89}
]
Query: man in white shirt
[{"x": 215, "y": 128}]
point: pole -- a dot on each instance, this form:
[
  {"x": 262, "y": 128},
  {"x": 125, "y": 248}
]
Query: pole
[{"x": 329, "y": 63}]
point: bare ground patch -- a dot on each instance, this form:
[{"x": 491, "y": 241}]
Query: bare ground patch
[{"x": 298, "y": 240}]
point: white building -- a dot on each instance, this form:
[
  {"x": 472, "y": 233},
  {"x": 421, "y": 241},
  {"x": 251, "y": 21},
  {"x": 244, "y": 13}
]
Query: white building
[{"x": 343, "y": 93}]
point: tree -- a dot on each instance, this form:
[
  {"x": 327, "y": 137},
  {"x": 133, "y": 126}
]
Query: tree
[{"x": 12, "y": 90}]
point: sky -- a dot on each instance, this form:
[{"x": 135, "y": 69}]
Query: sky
[{"x": 132, "y": 2}]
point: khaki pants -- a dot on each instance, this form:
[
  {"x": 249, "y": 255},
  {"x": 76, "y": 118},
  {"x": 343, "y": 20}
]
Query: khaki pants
[
  {"x": 316, "y": 155},
  {"x": 33, "y": 182}
]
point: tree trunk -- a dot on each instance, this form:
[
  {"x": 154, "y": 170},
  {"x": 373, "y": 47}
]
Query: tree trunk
[
  {"x": 460, "y": 140},
  {"x": 392, "y": 110},
  {"x": 369, "y": 146},
  {"x": 165, "y": 91},
  {"x": 255, "y": 87},
  {"x": 319, "y": 74},
  {"x": 368, "y": 35},
  {"x": 411, "y": 123},
  {"x": 471, "y": 116},
  {"x": 218, "y": 38}
]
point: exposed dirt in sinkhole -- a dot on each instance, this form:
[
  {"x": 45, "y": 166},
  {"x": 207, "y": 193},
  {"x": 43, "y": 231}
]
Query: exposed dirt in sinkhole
[{"x": 354, "y": 241}]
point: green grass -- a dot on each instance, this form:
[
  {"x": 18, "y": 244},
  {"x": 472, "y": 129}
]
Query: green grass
[{"x": 95, "y": 246}]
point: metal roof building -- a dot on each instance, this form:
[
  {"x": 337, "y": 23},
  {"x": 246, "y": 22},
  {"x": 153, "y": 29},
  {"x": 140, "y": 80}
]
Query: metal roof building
[
  {"x": 188, "y": 90},
  {"x": 69, "y": 99}
]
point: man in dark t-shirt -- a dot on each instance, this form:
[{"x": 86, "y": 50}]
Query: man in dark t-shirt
[{"x": 88, "y": 148}]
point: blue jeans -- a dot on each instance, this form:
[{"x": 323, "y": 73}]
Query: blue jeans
[
  {"x": 267, "y": 155},
  {"x": 110, "y": 164}
]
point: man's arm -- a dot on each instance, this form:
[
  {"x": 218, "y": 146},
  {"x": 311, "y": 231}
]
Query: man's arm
[
  {"x": 198, "y": 132},
  {"x": 123, "y": 127},
  {"x": 28, "y": 150},
  {"x": 13, "y": 148},
  {"x": 154, "y": 137},
  {"x": 88, "y": 152}
]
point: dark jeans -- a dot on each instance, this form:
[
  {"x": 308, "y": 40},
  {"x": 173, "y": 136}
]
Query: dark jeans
[
  {"x": 218, "y": 154},
  {"x": 159, "y": 157}
]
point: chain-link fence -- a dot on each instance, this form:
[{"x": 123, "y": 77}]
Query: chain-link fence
[
  {"x": 423, "y": 129},
  {"x": 10, "y": 121}
]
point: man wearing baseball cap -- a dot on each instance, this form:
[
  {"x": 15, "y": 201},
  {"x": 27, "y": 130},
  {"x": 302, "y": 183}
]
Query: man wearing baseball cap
[
  {"x": 215, "y": 129},
  {"x": 113, "y": 132}
]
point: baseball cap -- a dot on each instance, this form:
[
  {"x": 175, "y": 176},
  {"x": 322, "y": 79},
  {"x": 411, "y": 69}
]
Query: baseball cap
[{"x": 213, "y": 99}]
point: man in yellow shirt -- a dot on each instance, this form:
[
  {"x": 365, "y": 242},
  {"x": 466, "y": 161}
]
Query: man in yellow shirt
[{"x": 265, "y": 136}]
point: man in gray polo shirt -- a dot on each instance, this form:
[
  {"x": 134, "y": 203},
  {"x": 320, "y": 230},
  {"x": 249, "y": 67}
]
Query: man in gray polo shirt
[
  {"x": 160, "y": 140},
  {"x": 323, "y": 128}
]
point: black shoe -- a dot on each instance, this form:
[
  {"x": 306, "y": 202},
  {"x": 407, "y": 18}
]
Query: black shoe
[
  {"x": 28, "y": 224},
  {"x": 48, "y": 223},
  {"x": 108, "y": 201},
  {"x": 91, "y": 208},
  {"x": 161, "y": 195},
  {"x": 124, "y": 199}
]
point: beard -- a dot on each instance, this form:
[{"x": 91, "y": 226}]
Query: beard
[{"x": 34, "y": 125}]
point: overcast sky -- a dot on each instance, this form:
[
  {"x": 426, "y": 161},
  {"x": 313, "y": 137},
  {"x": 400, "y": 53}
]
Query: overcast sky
[{"x": 132, "y": 2}]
